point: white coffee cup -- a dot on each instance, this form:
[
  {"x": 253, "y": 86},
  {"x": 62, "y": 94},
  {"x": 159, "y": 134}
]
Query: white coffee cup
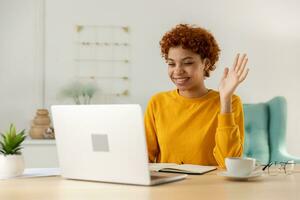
[{"x": 237, "y": 166}]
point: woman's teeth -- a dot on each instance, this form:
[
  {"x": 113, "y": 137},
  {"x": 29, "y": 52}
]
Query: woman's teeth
[{"x": 181, "y": 80}]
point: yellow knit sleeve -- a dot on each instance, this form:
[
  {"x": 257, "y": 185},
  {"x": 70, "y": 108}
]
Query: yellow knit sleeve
[
  {"x": 230, "y": 133},
  {"x": 150, "y": 129}
]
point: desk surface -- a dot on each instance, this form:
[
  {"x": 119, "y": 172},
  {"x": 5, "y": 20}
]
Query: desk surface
[{"x": 208, "y": 186}]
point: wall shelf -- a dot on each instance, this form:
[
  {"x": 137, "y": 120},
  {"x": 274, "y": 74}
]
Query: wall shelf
[
  {"x": 39, "y": 142},
  {"x": 99, "y": 60},
  {"x": 104, "y": 77},
  {"x": 103, "y": 43}
]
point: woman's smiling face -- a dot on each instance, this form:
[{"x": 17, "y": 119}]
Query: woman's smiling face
[{"x": 185, "y": 68}]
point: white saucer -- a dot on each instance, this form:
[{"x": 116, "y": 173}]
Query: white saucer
[{"x": 253, "y": 175}]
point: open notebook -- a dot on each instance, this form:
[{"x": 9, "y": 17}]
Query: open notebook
[{"x": 184, "y": 168}]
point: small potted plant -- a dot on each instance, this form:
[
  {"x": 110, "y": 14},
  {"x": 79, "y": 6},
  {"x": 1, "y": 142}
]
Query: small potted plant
[
  {"x": 81, "y": 93},
  {"x": 11, "y": 159}
]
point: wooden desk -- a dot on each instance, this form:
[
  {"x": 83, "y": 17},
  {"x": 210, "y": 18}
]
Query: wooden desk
[{"x": 209, "y": 186}]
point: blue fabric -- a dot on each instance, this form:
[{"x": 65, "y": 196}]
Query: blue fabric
[{"x": 265, "y": 131}]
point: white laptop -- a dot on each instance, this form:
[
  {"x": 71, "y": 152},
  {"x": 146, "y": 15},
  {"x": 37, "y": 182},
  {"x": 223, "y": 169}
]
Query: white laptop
[{"x": 104, "y": 143}]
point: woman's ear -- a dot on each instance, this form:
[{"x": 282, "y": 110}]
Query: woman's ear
[{"x": 206, "y": 63}]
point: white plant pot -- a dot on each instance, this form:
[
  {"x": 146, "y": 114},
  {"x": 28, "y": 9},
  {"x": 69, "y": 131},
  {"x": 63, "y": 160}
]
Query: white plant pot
[{"x": 11, "y": 166}]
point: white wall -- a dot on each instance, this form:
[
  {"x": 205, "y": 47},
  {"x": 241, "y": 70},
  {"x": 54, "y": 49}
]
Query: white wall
[
  {"x": 20, "y": 62},
  {"x": 267, "y": 30}
]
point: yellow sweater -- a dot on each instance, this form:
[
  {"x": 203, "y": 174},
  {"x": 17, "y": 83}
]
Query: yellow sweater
[{"x": 192, "y": 130}]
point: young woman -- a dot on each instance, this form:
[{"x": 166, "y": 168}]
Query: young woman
[{"x": 193, "y": 124}]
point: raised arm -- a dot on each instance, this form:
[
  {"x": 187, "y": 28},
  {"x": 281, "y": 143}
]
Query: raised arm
[{"x": 230, "y": 130}]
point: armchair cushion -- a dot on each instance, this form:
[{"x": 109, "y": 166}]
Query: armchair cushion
[{"x": 257, "y": 143}]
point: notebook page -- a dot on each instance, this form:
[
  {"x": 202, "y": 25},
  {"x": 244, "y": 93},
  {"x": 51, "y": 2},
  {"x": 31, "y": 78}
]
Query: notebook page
[
  {"x": 157, "y": 166},
  {"x": 193, "y": 168}
]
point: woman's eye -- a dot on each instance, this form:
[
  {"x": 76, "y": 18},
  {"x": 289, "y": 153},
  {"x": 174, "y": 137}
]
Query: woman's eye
[
  {"x": 171, "y": 64},
  {"x": 189, "y": 63}
]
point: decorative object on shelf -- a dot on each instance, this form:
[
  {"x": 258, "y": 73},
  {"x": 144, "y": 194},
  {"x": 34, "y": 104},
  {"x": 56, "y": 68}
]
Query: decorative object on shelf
[
  {"x": 49, "y": 133},
  {"x": 81, "y": 93},
  {"x": 79, "y": 28},
  {"x": 124, "y": 93},
  {"x": 126, "y": 28},
  {"x": 40, "y": 124},
  {"x": 11, "y": 159}
]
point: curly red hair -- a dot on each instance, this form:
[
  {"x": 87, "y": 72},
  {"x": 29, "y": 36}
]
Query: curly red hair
[{"x": 196, "y": 39}]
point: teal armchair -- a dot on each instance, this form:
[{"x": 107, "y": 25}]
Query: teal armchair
[{"x": 265, "y": 131}]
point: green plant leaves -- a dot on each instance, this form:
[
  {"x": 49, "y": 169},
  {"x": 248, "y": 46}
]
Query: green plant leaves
[
  {"x": 81, "y": 93},
  {"x": 11, "y": 141}
]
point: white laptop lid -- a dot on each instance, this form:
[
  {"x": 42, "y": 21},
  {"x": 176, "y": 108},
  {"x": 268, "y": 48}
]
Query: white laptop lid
[{"x": 102, "y": 143}]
